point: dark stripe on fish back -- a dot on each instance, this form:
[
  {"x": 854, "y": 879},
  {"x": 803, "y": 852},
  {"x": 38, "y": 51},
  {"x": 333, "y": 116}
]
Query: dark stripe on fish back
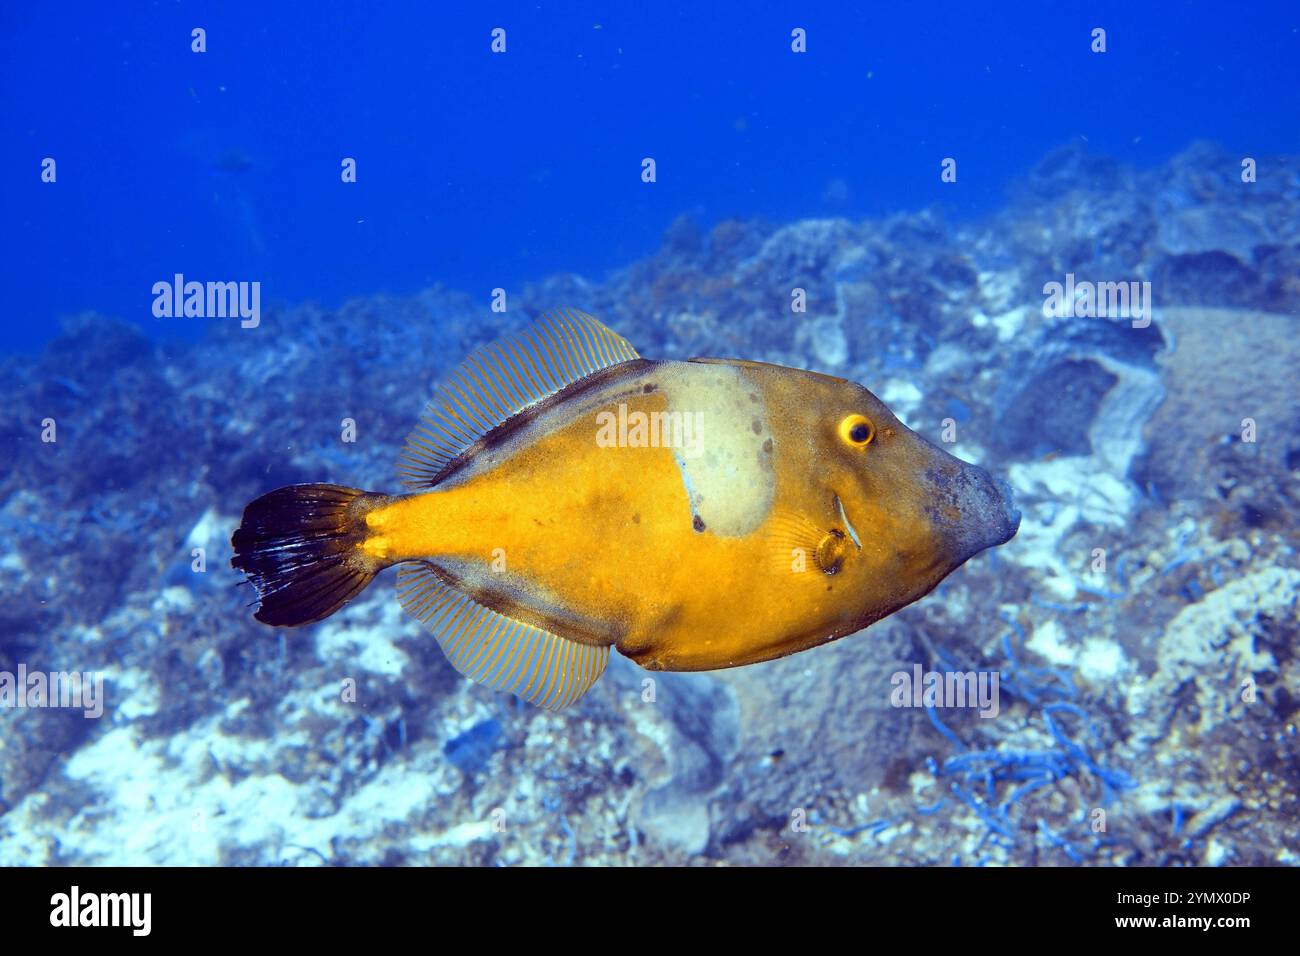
[{"x": 503, "y": 433}]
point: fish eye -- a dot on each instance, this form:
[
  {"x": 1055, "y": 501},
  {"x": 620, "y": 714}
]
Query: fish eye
[{"x": 857, "y": 430}]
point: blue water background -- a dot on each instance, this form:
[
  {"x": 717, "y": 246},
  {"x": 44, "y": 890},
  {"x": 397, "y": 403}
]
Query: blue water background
[{"x": 479, "y": 171}]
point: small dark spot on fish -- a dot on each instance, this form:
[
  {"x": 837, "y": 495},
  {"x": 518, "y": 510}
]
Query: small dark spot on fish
[
  {"x": 757, "y": 426},
  {"x": 636, "y": 518},
  {"x": 698, "y": 523},
  {"x": 753, "y": 398},
  {"x": 649, "y": 387},
  {"x": 767, "y": 446}
]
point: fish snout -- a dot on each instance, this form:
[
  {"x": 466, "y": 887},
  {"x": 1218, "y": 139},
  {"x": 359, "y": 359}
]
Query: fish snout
[
  {"x": 1010, "y": 513},
  {"x": 972, "y": 510}
]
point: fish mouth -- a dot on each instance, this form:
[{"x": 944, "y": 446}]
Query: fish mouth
[
  {"x": 848, "y": 525},
  {"x": 991, "y": 516},
  {"x": 972, "y": 510},
  {"x": 1010, "y": 511}
]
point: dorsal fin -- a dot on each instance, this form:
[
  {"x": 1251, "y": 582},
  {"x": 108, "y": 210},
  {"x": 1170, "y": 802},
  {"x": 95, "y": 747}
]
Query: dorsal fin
[
  {"x": 506, "y": 654},
  {"x": 500, "y": 380}
]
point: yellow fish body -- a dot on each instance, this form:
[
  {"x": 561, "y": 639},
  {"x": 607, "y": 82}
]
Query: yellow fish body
[{"x": 570, "y": 496}]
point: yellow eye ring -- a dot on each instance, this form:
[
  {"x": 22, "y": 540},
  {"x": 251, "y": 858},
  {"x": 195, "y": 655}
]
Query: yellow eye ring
[{"x": 857, "y": 430}]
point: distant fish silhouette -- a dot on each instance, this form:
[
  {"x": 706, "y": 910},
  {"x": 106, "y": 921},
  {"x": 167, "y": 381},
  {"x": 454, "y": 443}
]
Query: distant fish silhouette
[{"x": 233, "y": 161}]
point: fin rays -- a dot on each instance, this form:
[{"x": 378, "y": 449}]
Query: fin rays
[
  {"x": 498, "y": 381},
  {"x": 493, "y": 649}
]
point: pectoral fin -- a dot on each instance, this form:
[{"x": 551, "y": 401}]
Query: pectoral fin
[{"x": 800, "y": 546}]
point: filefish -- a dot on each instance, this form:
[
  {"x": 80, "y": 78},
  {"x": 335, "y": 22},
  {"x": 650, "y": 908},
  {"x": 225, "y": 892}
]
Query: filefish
[{"x": 566, "y": 496}]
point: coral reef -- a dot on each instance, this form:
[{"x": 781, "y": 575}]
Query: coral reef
[{"x": 1143, "y": 622}]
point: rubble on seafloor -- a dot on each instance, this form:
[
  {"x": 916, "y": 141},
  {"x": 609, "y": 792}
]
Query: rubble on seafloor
[{"x": 1143, "y": 622}]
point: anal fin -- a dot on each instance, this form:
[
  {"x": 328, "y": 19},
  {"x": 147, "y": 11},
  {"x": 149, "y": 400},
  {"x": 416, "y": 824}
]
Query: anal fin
[{"x": 497, "y": 650}]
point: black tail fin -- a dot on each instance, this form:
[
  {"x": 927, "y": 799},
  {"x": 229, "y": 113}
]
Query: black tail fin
[{"x": 301, "y": 548}]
